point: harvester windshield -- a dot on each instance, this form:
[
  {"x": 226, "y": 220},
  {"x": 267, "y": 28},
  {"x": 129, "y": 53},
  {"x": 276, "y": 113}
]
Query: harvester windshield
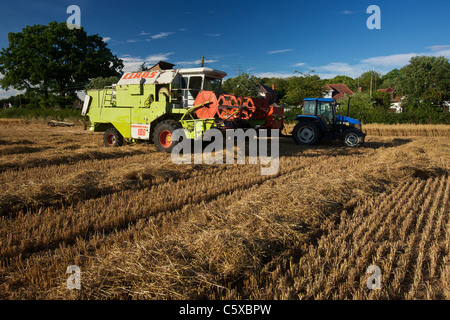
[{"x": 212, "y": 84}]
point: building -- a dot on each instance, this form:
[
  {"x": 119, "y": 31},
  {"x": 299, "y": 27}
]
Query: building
[
  {"x": 390, "y": 91},
  {"x": 161, "y": 65},
  {"x": 396, "y": 101},
  {"x": 268, "y": 93},
  {"x": 336, "y": 91}
]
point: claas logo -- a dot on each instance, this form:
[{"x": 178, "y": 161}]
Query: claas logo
[{"x": 139, "y": 75}]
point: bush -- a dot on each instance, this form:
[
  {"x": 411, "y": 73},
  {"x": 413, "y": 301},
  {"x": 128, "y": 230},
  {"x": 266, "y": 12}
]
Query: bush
[{"x": 47, "y": 114}]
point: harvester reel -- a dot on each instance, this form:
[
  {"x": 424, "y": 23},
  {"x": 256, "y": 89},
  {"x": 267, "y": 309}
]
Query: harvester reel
[
  {"x": 209, "y": 110},
  {"x": 228, "y": 105}
]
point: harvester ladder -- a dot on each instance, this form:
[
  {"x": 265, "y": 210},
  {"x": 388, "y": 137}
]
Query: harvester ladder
[{"x": 107, "y": 95}]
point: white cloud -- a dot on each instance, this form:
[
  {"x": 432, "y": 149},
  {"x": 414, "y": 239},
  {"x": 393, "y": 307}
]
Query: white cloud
[
  {"x": 299, "y": 64},
  {"x": 106, "y": 39},
  {"x": 439, "y": 48},
  {"x": 182, "y": 29},
  {"x": 213, "y": 34},
  {"x": 279, "y": 51},
  {"x": 158, "y": 57},
  {"x": 339, "y": 67},
  {"x": 6, "y": 93},
  {"x": 132, "y": 63},
  {"x": 394, "y": 60},
  {"x": 347, "y": 12},
  {"x": 274, "y": 75},
  {"x": 381, "y": 64},
  {"x": 143, "y": 33},
  {"x": 161, "y": 35}
]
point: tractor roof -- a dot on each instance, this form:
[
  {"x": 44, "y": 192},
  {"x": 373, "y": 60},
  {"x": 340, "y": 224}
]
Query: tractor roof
[{"x": 319, "y": 99}]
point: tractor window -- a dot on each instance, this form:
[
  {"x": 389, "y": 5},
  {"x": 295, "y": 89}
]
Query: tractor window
[
  {"x": 325, "y": 111},
  {"x": 308, "y": 108},
  {"x": 212, "y": 84}
]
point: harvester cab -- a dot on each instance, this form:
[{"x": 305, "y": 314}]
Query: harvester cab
[
  {"x": 194, "y": 80},
  {"x": 319, "y": 120},
  {"x": 151, "y": 105}
]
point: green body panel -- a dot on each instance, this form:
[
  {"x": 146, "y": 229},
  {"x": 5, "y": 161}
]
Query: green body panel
[
  {"x": 197, "y": 127},
  {"x": 137, "y": 104}
]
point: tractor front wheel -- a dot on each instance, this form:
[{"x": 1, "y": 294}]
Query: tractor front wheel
[
  {"x": 352, "y": 138},
  {"x": 162, "y": 136},
  {"x": 112, "y": 138},
  {"x": 308, "y": 133}
]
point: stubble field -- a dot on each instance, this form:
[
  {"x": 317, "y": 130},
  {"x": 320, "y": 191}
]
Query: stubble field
[{"x": 142, "y": 227}]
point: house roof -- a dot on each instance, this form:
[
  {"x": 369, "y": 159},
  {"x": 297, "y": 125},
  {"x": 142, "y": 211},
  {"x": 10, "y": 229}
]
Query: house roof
[
  {"x": 339, "y": 90},
  {"x": 389, "y": 89},
  {"x": 266, "y": 88},
  {"x": 162, "y": 65}
]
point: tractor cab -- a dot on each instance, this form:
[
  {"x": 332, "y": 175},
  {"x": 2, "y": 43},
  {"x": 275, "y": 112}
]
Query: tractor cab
[
  {"x": 325, "y": 109},
  {"x": 194, "y": 80},
  {"x": 319, "y": 120}
]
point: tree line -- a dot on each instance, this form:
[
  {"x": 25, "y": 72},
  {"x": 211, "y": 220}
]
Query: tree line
[{"x": 422, "y": 87}]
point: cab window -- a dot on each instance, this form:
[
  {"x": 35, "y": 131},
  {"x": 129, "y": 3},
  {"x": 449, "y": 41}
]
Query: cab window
[
  {"x": 195, "y": 83},
  {"x": 308, "y": 108}
]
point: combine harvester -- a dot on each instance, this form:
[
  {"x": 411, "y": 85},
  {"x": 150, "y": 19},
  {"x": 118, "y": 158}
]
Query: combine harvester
[{"x": 151, "y": 105}]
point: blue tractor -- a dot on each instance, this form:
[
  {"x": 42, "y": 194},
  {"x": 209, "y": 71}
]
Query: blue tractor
[{"x": 320, "y": 121}]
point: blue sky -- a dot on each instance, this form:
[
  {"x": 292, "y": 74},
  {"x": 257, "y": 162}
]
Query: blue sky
[{"x": 264, "y": 38}]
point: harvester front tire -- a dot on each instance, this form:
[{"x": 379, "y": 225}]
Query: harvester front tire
[
  {"x": 162, "y": 136},
  {"x": 307, "y": 133},
  {"x": 352, "y": 138},
  {"x": 112, "y": 138}
]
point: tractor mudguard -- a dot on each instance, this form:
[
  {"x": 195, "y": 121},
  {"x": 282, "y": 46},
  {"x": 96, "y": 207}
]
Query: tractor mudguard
[{"x": 309, "y": 118}]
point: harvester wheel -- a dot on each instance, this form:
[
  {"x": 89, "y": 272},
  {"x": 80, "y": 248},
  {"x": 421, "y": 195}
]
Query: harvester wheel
[
  {"x": 162, "y": 136},
  {"x": 352, "y": 138},
  {"x": 112, "y": 138},
  {"x": 307, "y": 132}
]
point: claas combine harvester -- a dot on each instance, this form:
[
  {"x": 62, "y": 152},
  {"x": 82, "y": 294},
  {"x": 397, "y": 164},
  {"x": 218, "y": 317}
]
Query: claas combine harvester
[{"x": 151, "y": 105}]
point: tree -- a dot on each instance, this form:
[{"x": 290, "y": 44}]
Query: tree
[
  {"x": 142, "y": 67},
  {"x": 244, "y": 85},
  {"x": 369, "y": 81},
  {"x": 425, "y": 81},
  {"x": 348, "y": 81},
  {"x": 49, "y": 59},
  {"x": 361, "y": 106},
  {"x": 390, "y": 79},
  {"x": 101, "y": 82},
  {"x": 280, "y": 86},
  {"x": 301, "y": 87}
]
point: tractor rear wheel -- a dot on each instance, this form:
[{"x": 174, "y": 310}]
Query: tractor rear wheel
[
  {"x": 112, "y": 138},
  {"x": 352, "y": 138},
  {"x": 162, "y": 136},
  {"x": 306, "y": 132}
]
